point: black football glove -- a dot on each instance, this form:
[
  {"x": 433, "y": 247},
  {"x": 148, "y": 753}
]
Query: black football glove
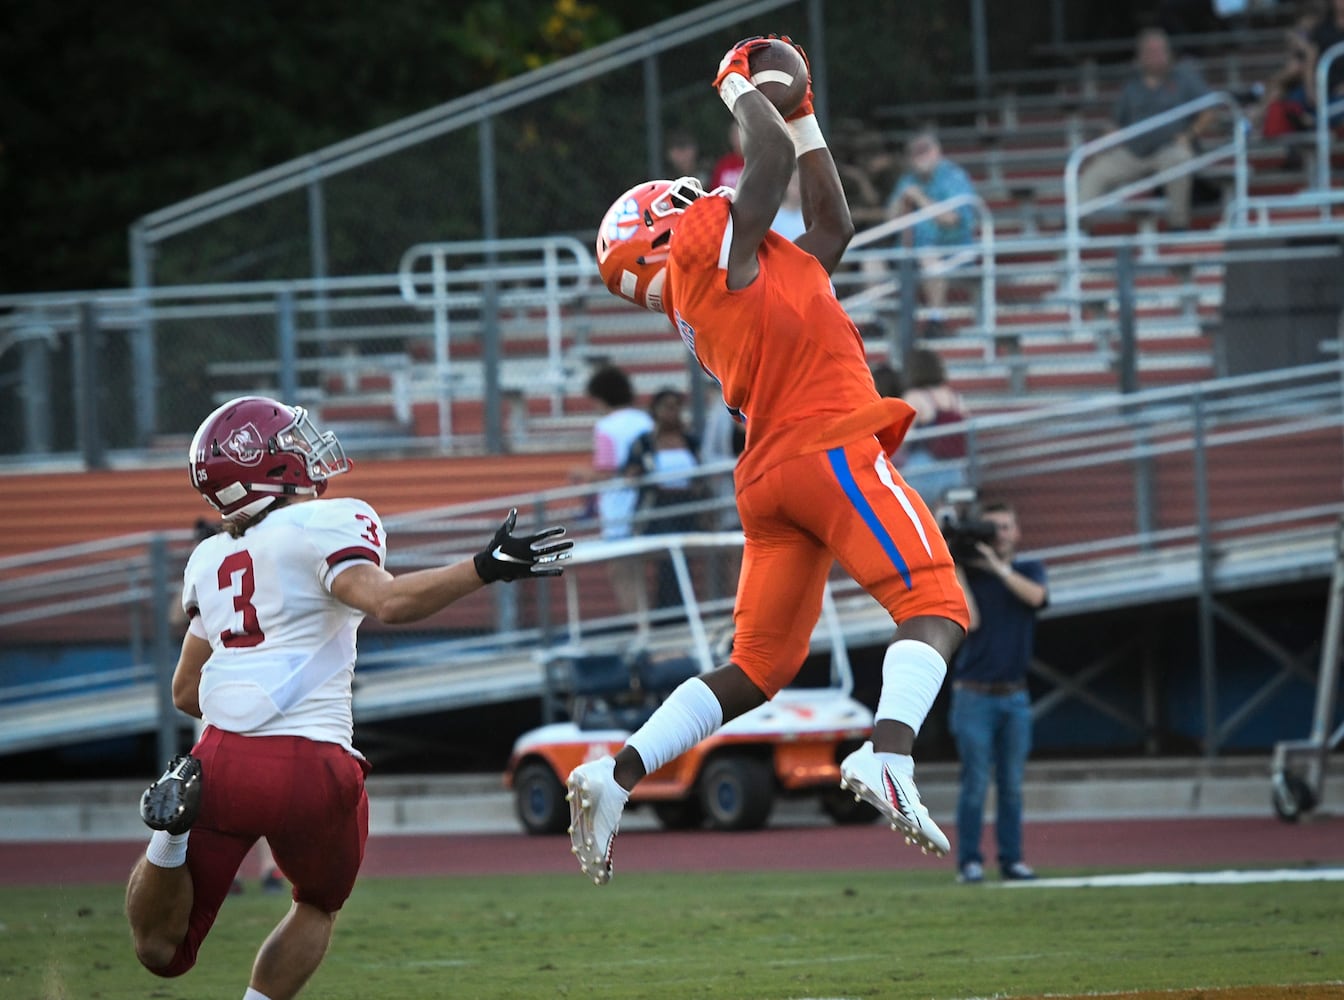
[{"x": 511, "y": 557}]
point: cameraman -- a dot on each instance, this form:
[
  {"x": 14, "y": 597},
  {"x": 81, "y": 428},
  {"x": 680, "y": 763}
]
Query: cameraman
[{"x": 991, "y": 714}]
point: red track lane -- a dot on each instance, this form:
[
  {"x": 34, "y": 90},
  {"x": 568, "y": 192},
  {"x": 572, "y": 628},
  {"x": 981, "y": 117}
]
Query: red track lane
[{"x": 1112, "y": 845}]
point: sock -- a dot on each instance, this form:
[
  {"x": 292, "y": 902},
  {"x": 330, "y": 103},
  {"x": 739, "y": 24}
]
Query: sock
[
  {"x": 689, "y": 714},
  {"x": 912, "y": 674},
  {"x": 167, "y": 850},
  {"x": 252, "y": 994}
]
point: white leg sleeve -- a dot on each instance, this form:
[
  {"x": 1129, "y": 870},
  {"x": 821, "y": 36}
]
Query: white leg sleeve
[
  {"x": 912, "y": 674},
  {"x": 689, "y": 714}
]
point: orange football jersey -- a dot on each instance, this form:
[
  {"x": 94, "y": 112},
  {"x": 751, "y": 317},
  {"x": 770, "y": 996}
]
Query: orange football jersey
[{"x": 784, "y": 351}]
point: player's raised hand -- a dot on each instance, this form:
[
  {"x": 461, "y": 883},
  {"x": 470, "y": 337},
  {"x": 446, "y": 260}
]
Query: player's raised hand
[
  {"x": 737, "y": 59},
  {"x": 511, "y": 557},
  {"x": 804, "y": 109}
]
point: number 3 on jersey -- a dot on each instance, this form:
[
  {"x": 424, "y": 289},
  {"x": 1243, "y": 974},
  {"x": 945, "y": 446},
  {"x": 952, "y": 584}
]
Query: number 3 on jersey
[
  {"x": 370, "y": 533},
  {"x": 238, "y": 578}
]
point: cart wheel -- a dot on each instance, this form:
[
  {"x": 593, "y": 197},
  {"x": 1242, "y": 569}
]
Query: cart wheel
[
  {"x": 736, "y": 793},
  {"x": 539, "y": 799},
  {"x": 1292, "y": 796}
]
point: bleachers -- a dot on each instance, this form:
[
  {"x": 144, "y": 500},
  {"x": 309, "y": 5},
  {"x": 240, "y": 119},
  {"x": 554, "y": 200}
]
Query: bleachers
[
  {"x": 1047, "y": 342},
  {"x": 378, "y": 381}
]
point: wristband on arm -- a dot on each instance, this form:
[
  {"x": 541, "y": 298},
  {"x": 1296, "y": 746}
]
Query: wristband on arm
[
  {"x": 806, "y": 134},
  {"x": 734, "y": 85}
]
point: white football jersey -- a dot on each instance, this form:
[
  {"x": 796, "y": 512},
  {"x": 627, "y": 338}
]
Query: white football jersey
[{"x": 283, "y": 649}]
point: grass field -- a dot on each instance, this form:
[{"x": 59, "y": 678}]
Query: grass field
[{"x": 741, "y": 936}]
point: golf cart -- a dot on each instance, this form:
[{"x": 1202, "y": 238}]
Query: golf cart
[{"x": 791, "y": 745}]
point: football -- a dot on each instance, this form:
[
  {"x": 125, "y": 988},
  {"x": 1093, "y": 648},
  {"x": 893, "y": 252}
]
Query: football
[{"x": 778, "y": 72}]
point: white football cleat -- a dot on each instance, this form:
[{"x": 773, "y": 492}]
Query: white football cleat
[
  {"x": 894, "y": 796},
  {"x": 595, "y": 806}
]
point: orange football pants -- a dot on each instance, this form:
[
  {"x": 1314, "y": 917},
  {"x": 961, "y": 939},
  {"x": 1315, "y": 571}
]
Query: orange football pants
[{"x": 847, "y": 504}]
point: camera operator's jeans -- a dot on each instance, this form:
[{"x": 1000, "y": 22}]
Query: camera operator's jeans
[{"x": 992, "y": 732}]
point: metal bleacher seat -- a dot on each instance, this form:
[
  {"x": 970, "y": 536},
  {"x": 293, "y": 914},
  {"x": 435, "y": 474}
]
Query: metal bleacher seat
[
  {"x": 617, "y": 690},
  {"x": 600, "y": 689}
]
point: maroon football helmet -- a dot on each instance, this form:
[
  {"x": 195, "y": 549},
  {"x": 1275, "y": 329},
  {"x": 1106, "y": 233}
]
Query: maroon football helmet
[{"x": 254, "y": 450}]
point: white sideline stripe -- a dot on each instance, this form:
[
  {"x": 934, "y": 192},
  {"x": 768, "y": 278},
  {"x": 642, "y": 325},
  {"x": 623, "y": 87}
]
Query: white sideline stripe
[
  {"x": 1228, "y": 877},
  {"x": 1211, "y": 991}
]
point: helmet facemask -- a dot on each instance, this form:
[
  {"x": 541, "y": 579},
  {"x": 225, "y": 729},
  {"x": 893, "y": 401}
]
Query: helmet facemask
[
  {"x": 634, "y": 240},
  {"x": 252, "y": 451},
  {"x": 322, "y": 452}
]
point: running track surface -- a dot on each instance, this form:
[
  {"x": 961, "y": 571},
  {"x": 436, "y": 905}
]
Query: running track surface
[{"x": 1050, "y": 846}]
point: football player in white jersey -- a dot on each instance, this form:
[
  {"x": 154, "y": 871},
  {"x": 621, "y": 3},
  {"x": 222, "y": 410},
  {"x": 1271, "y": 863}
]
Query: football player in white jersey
[{"x": 274, "y": 601}]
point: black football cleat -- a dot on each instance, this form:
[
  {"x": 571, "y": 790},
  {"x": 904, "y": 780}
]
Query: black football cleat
[{"x": 172, "y": 802}]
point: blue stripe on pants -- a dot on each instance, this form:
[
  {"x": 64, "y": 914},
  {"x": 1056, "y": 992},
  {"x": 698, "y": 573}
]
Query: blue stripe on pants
[{"x": 846, "y": 479}]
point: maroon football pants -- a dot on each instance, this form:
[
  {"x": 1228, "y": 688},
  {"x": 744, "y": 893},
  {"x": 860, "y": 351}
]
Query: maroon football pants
[{"x": 306, "y": 798}]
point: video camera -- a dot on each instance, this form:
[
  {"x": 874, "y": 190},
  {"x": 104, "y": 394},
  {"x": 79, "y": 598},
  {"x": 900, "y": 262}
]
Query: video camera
[{"x": 962, "y": 527}]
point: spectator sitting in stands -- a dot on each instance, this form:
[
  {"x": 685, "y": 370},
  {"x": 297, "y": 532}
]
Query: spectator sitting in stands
[
  {"x": 930, "y": 178},
  {"x": 1285, "y": 107},
  {"x": 927, "y": 465},
  {"x": 1328, "y": 32},
  {"x": 1157, "y": 84}
]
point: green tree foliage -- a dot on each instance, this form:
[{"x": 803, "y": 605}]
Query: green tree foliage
[{"x": 110, "y": 111}]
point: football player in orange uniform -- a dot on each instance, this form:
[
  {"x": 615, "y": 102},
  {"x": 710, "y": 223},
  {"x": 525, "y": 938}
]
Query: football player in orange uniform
[{"x": 814, "y": 483}]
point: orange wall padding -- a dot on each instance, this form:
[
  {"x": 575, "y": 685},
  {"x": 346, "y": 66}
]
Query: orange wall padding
[{"x": 48, "y": 509}]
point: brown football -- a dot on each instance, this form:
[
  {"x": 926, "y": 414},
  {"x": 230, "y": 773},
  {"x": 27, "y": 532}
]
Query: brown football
[{"x": 778, "y": 72}]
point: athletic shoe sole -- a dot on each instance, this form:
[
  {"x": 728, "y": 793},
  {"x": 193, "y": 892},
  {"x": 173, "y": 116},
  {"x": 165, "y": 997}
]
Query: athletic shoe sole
[{"x": 172, "y": 802}]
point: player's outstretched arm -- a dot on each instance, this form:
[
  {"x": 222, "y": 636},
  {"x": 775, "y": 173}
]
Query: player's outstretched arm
[
  {"x": 767, "y": 152},
  {"x": 411, "y": 597},
  {"x": 830, "y": 226}
]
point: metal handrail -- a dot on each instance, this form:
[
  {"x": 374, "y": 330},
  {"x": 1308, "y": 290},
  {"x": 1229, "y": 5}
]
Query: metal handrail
[
  {"x": 441, "y": 298},
  {"x": 1189, "y": 419},
  {"x": 1073, "y": 211},
  {"x": 1325, "y": 107},
  {"x": 433, "y": 122},
  {"x": 900, "y": 224},
  {"x": 1255, "y": 212}
]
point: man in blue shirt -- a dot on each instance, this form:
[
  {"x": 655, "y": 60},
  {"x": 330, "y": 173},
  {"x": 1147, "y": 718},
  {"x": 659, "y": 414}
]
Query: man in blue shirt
[
  {"x": 928, "y": 179},
  {"x": 991, "y": 714}
]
